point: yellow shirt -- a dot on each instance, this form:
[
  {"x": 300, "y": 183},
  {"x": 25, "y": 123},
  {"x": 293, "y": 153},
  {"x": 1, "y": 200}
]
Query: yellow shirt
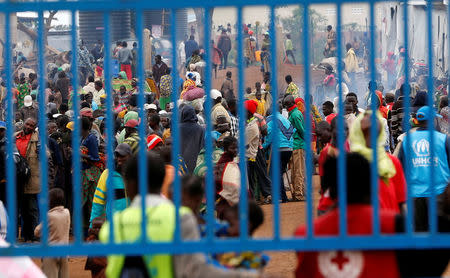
[{"x": 261, "y": 108}]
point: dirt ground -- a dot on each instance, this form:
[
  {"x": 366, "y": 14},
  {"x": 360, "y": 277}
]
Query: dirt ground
[{"x": 253, "y": 75}]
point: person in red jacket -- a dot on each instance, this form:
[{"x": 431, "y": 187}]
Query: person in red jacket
[{"x": 345, "y": 263}]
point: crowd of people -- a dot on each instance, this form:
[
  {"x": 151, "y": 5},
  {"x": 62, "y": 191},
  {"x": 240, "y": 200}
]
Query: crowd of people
[{"x": 289, "y": 121}]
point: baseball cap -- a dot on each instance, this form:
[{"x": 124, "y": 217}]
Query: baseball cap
[
  {"x": 215, "y": 94},
  {"x": 123, "y": 149},
  {"x": 163, "y": 113},
  {"x": 425, "y": 113},
  {"x": 27, "y": 101},
  {"x": 132, "y": 123},
  {"x": 2, "y": 125},
  {"x": 150, "y": 106}
]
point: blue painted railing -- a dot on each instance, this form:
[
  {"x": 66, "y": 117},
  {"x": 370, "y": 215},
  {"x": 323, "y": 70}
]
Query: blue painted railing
[{"x": 209, "y": 244}]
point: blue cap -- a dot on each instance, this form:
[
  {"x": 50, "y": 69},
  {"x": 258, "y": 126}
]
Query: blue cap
[
  {"x": 425, "y": 113},
  {"x": 2, "y": 124}
]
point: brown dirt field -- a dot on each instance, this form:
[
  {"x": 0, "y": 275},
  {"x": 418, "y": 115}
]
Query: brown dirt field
[{"x": 253, "y": 75}]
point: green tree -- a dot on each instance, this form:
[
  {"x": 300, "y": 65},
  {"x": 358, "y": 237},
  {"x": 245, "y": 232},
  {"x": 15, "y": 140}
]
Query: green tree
[{"x": 294, "y": 26}]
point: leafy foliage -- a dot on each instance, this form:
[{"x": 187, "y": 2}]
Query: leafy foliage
[{"x": 294, "y": 26}]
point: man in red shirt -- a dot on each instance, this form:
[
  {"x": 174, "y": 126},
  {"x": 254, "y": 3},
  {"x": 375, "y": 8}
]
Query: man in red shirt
[
  {"x": 327, "y": 109},
  {"x": 359, "y": 222},
  {"x": 27, "y": 142}
]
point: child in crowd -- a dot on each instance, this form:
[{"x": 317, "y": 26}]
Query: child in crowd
[
  {"x": 97, "y": 265},
  {"x": 248, "y": 90},
  {"x": 261, "y": 109},
  {"x": 245, "y": 260},
  {"x": 58, "y": 227},
  {"x": 227, "y": 177}
]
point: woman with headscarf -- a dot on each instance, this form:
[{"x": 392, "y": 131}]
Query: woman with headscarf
[
  {"x": 187, "y": 85},
  {"x": 381, "y": 108},
  {"x": 151, "y": 83},
  {"x": 192, "y": 137},
  {"x": 227, "y": 176},
  {"x": 392, "y": 183},
  {"x": 130, "y": 115}
]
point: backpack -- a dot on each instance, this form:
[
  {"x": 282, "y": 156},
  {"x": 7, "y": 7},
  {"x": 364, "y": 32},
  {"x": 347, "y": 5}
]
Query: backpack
[{"x": 23, "y": 172}]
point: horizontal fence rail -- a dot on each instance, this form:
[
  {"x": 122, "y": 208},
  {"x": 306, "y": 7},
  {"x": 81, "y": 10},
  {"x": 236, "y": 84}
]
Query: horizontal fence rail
[{"x": 210, "y": 244}]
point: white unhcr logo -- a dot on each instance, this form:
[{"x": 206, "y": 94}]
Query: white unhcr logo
[{"x": 421, "y": 147}]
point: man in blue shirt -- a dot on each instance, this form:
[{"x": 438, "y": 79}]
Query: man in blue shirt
[
  {"x": 419, "y": 163},
  {"x": 285, "y": 134},
  {"x": 190, "y": 46}
]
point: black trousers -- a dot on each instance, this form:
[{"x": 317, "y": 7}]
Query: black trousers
[
  {"x": 290, "y": 53},
  {"x": 30, "y": 215},
  {"x": 224, "y": 60},
  {"x": 257, "y": 175},
  {"x": 421, "y": 207},
  {"x": 285, "y": 156}
]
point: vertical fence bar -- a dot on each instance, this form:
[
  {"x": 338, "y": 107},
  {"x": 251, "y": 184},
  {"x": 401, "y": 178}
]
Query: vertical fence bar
[
  {"x": 76, "y": 181},
  {"x": 208, "y": 143},
  {"x": 43, "y": 161},
  {"x": 174, "y": 128},
  {"x": 243, "y": 204},
  {"x": 142, "y": 153},
  {"x": 275, "y": 139},
  {"x": 309, "y": 218},
  {"x": 448, "y": 49},
  {"x": 175, "y": 86},
  {"x": 10, "y": 142},
  {"x": 374, "y": 128},
  {"x": 342, "y": 165},
  {"x": 432, "y": 206},
  {"x": 406, "y": 125},
  {"x": 109, "y": 126}
]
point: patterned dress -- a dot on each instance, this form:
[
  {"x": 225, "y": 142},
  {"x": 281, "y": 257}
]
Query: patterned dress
[
  {"x": 24, "y": 90},
  {"x": 165, "y": 90}
]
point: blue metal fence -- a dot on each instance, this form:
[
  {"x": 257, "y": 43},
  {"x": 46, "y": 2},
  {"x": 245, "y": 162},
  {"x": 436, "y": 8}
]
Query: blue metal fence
[{"x": 209, "y": 244}]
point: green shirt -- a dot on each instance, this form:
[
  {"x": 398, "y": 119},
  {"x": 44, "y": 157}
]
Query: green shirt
[
  {"x": 288, "y": 45},
  {"x": 127, "y": 229},
  {"x": 296, "y": 119}
]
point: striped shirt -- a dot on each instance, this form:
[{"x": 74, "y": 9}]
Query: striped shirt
[
  {"x": 100, "y": 199},
  {"x": 234, "y": 126},
  {"x": 133, "y": 142}
]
